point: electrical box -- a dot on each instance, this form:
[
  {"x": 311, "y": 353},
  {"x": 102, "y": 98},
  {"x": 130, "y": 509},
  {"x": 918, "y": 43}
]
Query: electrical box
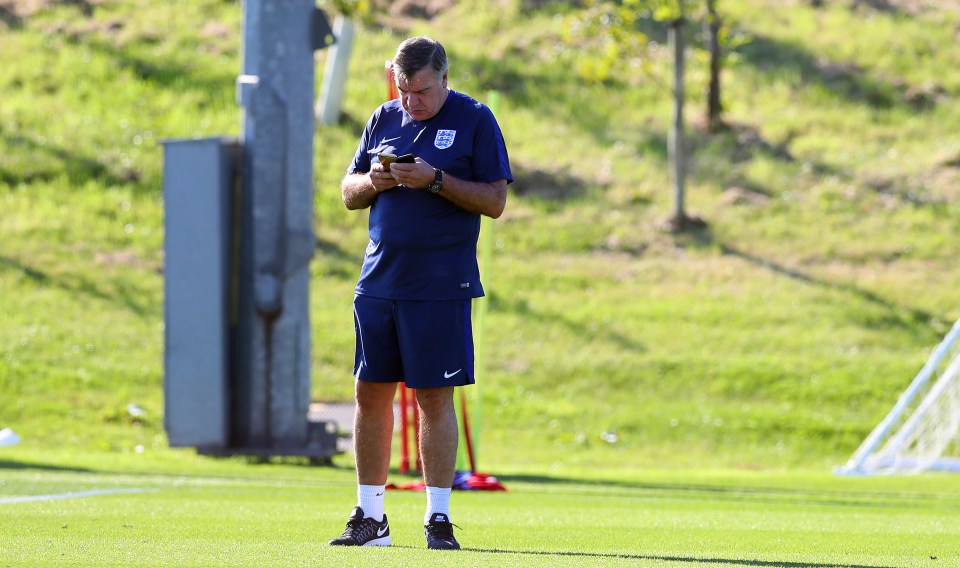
[{"x": 199, "y": 180}]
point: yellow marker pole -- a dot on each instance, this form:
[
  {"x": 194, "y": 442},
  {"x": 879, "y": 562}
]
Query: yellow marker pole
[{"x": 479, "y": 322}]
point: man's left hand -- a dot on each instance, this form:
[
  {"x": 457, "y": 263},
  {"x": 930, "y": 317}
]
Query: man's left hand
[{"x": 417, "y": 175}]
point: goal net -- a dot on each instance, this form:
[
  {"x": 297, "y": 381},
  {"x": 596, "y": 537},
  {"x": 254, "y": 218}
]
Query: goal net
[{"x": 922, "y": 431}]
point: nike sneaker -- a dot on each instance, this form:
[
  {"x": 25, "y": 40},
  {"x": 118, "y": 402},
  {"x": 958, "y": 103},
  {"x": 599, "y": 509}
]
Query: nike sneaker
[
  {"x": 439, "y": 533},
  {"x": 362, "y": 531}
]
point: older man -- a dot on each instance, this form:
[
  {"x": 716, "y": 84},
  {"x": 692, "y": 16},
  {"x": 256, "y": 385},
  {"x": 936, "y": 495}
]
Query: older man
[{"x": 419, "y": 275}]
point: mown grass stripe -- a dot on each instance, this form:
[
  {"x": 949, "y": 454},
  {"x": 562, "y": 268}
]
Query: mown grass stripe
[{"x": 71, "y": 495}]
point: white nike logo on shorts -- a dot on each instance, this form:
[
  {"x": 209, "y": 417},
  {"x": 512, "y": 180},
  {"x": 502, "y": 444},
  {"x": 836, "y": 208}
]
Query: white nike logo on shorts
[{"x": 447, "y": 375}]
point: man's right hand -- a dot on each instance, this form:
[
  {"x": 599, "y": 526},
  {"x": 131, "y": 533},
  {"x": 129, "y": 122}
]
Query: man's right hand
[{"x": 381, "y": 179}]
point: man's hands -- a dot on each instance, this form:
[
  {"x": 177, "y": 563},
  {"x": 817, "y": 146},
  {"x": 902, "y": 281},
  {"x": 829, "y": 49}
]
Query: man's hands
[
  {"x": 417, "y": 175},
  {"x": 381, "y": 179},
  {"x": 356, "y": 188}
]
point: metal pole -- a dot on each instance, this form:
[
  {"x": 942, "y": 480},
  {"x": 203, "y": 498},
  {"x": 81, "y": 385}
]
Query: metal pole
[{"x": 856, "y": 463}]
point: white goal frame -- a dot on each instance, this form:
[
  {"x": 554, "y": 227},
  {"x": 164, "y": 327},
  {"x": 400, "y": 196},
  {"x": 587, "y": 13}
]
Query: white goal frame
[{"x": 915, "y": 436}]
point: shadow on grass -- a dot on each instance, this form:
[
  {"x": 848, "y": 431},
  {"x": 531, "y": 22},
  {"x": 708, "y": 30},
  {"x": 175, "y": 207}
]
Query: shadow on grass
[
  {"x": 844, "y": 79},
  {"x": 8, "y": 464},
  {"x": 551, "y": 94},
  {"x": 49, "y": 162},
  {"x": 792, "y": 496},
  {"x": 896, "y": 315},
  {"x": 337, "y": 261},
  {"x": 124, "y": 295},
  {"x": 10, "y": 18},
  {"x": 900, "y": 316},
  {"x": 547, "y": 184},
  {"x": 164, "y": 72},
  {"x": 879, "y": 5},
  {"x": 521, "y": 308},
  {"x": 691, "y": 559}
]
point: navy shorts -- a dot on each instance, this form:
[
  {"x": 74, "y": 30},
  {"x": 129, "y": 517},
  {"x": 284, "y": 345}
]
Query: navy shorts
[{"x": 421, "y": 343}]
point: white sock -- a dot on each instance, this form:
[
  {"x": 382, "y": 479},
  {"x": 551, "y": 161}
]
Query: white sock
[
  {"x": 370, "y": 499},
  {"x": 438, "y": 501}
]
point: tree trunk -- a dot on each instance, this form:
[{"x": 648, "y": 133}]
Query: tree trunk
[
  {"x": 714, "y": 106},
  {"x": 675, "y": 150}
]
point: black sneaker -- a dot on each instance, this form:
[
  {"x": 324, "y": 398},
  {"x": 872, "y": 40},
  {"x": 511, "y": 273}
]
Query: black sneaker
[
  {"x": 439, "y": 532},
  {"x": 362, "y": 531}
]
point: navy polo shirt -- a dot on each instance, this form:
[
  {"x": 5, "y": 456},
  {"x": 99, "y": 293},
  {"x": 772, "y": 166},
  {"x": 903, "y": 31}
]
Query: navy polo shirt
[{"x": 422, "y": 246}]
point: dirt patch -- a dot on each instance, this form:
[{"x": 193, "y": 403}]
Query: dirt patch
[
  {"x": 26, "y": 8},
  {"x": 419, "y": 9},
  {"x": 126, "y": 258},
  {"x": 737, "y": 195},
  {"x": 909, "y": 7},
  {"x": 13, "y": 13}
]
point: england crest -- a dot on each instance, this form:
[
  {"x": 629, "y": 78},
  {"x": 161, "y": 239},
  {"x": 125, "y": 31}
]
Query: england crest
[{"x": 444, "y": 139}]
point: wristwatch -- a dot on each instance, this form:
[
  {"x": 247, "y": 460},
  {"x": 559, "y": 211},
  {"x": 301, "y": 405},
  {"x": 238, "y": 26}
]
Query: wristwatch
[{"x": 437, "y": 184}]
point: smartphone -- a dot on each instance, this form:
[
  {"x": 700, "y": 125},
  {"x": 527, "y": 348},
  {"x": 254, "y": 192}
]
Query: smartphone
[{"x": 386, "y": 159}]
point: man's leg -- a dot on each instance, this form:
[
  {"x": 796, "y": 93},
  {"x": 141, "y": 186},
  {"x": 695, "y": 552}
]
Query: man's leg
[
  {"x": 438, "y": 435},
  {"x": 438, "y": 453},
  {"x": 372, "y": 432}
]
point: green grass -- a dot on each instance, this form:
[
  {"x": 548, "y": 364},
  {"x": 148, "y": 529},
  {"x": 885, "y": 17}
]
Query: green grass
[
  {"x": 775, "y": 338},
  {"x": 736, "y": 364},
  {"x": 179, "y": 510}
]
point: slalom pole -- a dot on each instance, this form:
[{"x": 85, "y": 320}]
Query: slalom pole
[
  {"x": 407, "y": 398},
  {"x": 416, "y": 429},
  {"x": 404, "y": 432},
  {"x": 480, "y": 321},
  {"x": 466, "y": 433},
  {"x": 459, "y": 405}
]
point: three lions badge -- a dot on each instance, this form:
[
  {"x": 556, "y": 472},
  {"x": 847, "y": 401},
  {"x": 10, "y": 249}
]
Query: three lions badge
[{"x": 444, "y": 139}]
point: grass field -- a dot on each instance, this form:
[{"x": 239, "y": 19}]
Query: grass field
[
  {"x": 776, "y": 337},
  {"x": 735, "y": 365},
  {"x": 179, "y": 510}
]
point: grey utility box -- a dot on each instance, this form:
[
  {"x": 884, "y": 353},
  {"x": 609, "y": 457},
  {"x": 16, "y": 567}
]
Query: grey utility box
[{"x": 199, "y": 180}]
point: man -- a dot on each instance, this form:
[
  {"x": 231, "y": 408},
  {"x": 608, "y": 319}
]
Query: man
[{"x": 419, "y": 274}]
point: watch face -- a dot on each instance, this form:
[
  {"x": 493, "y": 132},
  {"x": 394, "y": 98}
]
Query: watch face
[{"x": 437, "y": 182}]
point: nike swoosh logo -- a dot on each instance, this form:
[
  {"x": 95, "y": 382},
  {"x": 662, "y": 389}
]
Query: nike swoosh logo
[
  {"x": 447, "y": 375},
  {"x": 382, "y": 530},
  {"x": 385, "y": 140}
]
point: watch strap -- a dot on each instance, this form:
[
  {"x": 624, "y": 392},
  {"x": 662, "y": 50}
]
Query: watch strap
[{"x": 437, "y": 183}]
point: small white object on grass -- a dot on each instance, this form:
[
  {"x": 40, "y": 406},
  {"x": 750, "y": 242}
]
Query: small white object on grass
[{"x": 8, "y": 437}]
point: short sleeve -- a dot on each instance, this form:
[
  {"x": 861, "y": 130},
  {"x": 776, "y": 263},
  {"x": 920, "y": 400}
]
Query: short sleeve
[{"x": 490, "y": 159}]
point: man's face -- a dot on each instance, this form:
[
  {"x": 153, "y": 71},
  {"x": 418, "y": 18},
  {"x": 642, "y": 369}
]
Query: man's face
[{"x": 423, "y": 94}]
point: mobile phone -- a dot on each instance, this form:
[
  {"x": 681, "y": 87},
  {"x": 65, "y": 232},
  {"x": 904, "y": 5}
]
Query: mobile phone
[
  {"x": 406, "y": 159},
  {"x": 386, "y": 159}
]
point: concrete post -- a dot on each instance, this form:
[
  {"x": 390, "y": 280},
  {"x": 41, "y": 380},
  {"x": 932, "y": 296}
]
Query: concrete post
[
  {"x": 335, "y": 72},
  {"x": 273, "y": 351}
]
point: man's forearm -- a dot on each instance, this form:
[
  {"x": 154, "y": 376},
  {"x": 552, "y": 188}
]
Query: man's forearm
[
  {"x": 478, "y": 197},
  {"x": 358, "y": 191}
]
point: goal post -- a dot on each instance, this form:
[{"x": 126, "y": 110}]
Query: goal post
[{"x": 922, "y": 430}]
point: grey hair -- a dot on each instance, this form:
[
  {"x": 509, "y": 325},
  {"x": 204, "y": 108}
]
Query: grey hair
[{"x": 418, "y": 53}]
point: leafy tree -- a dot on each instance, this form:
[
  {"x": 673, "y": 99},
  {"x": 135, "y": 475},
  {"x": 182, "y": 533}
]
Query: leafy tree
[
  {"x": 616, "y": 24},
  {"x": 713, "y": 31}
]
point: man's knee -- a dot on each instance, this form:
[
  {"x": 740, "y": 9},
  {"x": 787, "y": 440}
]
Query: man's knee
[
  {"x": 434, "y": 401},
  {"x": 373, "y": 395}
]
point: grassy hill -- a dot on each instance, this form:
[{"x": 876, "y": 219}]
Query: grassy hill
[{"x": 777, "y": 336}]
